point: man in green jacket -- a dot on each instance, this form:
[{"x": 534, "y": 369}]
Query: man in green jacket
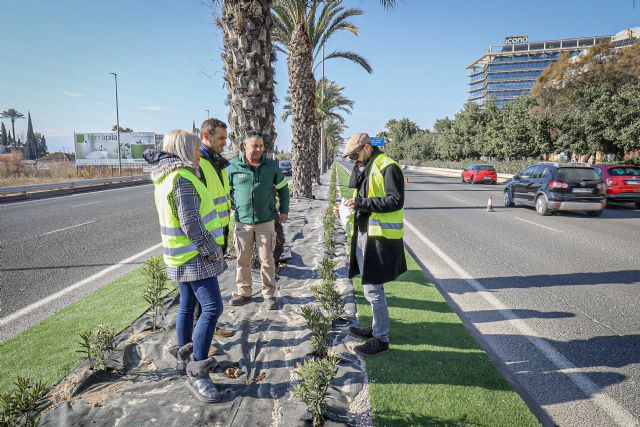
[{"x": 252, "y": 179}]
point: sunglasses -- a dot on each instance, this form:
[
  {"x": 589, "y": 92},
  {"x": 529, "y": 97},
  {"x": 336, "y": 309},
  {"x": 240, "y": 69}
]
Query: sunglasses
[{"x": 354, "y": 156}]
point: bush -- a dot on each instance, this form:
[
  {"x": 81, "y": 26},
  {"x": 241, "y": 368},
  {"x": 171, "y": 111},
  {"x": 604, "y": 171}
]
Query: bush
[
  {"x": 327, "y": 269},
  {"x": 156, "y": 273},
  {"x": 316, "y": 376},
  {"x": 330, "y": 299},
  {"x": 20, "y": 407},
  {"x": 319, "y": 326},
  {"x": 96, "y": 345}
]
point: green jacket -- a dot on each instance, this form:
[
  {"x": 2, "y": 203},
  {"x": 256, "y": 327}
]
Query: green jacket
[{"x": 252, "y": 190}]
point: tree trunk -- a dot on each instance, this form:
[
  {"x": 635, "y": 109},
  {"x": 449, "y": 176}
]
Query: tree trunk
[
  {"x": 302, "y": 92},
  {"x": 315, "y": 149},
  {"x": 248, "y": 57}
]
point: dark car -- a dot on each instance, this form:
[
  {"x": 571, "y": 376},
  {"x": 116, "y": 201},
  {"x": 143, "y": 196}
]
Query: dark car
[
  {"x": 553, "y": 187},
  {"x": 479, "y": 173},
  {"x": 285, "y": 167},
  {"x": 622, "y": 182}
]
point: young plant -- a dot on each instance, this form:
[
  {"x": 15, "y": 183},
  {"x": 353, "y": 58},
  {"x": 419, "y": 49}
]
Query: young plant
[
  {"x": 20, "y": 407},
  {"x": 319, "y": 326},
  {"x": 316, "y": 376},
  {"x": 327, "y": 269},
  {"x": 330, "y": 299},
  {"x": 95, "y": 346},
  {"x": 156, "y": 286}
]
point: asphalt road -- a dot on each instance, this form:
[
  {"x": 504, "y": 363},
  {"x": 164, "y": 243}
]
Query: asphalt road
[
  {"x": 48, "y": 245},
  {"x": 554, "y": 298}
]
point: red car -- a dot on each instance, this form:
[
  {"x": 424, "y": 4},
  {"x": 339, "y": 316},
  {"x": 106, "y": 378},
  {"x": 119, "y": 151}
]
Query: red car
[
  {"x": 622, "y": 182},
  {"x": 479, "y": 173}
]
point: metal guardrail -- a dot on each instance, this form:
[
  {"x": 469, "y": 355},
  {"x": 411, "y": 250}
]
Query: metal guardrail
[{"x": 24, "y": 191}]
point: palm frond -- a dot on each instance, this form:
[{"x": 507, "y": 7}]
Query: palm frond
[{"x": 351, "y": 56}]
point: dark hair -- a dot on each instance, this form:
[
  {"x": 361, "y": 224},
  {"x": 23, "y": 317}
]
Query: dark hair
[
  {"x": 253, "y": 134},
  {"x": 210, "y": 125}
]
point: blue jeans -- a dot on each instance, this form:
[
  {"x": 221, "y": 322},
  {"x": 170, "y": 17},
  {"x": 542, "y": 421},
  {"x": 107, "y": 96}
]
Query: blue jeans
[{"x": 207, "y": 292}]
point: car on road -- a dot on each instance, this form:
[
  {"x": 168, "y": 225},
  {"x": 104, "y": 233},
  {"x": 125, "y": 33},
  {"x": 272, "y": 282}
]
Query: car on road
[
  {"x": 553, "y": 187},
  {"x": 479, "y": 173},
  {"x": 285, "y": 167},
  {"x": 622, "y": 182}
]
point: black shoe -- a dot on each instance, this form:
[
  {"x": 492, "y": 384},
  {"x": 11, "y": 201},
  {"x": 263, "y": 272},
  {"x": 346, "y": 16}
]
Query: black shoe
[
  {"x": 270, "y": 304},
  {"x": 361, "y": 332},
  {"x": 184, "y": 356},
  {"x": 372, "y": 347},
  {"x": 238, "y": 300}
]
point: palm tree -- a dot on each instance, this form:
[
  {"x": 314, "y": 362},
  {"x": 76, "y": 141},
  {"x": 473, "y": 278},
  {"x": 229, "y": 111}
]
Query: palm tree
[
  {"x": 248, "y": 56},
  {"x": 320, "y": 20},
  {"x": 12, "y": 114}
]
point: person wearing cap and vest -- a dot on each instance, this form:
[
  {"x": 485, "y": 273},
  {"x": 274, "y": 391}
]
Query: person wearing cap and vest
[
  {"x": 213, "y": 169},
  {"x": 376, "y": 230},
  {"x": 253, "y": 178},
  {"x": 192, "y": 239}
]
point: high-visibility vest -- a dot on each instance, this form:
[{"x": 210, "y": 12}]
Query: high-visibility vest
[
  {"x": 389, "y": 225},
  {"x": 220, "y": 191},
  {"x": 177, "y": 248}
]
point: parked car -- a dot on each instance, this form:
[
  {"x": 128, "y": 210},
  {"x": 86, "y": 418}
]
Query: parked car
[
  {"x": 479, "y": 173},
  {"x": 285, "y": 167},
  {"x": 622, "y": 182},
  {"x": 553, "y": 187}
]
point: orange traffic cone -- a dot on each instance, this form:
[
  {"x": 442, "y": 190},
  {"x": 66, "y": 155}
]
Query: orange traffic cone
[
  {"x": 406, "y": 180},
  {"x": 490, "y": 204}
]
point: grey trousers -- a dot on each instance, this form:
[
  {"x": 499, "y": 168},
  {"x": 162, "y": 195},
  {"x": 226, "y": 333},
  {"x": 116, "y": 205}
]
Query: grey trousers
[{"x": 374, "y": 293}]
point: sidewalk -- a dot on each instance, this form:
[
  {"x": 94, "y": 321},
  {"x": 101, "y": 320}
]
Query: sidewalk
[{"x": 266, "y": 346}]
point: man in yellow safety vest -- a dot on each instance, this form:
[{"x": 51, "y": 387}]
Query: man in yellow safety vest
[{"x": 377, "y": 249}]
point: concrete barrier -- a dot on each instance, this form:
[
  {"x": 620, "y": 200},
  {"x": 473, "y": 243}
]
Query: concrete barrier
[{"x": 502, "y": 177}]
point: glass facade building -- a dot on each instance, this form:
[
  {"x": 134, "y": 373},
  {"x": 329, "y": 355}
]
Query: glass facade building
[{"x": 509, "y": 70}]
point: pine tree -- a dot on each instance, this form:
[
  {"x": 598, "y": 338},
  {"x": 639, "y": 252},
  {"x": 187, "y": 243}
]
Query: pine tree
[
  {"x": 42, "y": 147},
  {"x": 32, "y": 142},
  {"x": 4, "y": 140}
]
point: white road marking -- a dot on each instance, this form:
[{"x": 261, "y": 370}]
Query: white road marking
[
  {"x": 462, "y": 201},
  {"x": 614, "y": 409},
  {"x": 68, "y": 228},
  {"x": 28, "y": 309},
  {"x": 539, "y": 225},
  {"x": 86, "y": 204},
  {"x": 88, "y": 193}
]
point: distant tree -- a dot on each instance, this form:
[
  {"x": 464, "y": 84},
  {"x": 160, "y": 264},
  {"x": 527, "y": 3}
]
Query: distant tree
[
  {"x": 4, "y": 140},
  {"x": 122, "y": 130},
  {"x": 32, "y": 141},
  {"x": 12, "y": 114},
  {"x": 194, "y": 129},
  {"x": 42, "y": 149},
  {"x": 399, "y": 134}
]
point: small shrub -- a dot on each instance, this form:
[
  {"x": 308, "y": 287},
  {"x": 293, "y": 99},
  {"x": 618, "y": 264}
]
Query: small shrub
[
  {"x": 156, "y": 273},
  {"x": 332, "y": 301},
  {"x": 20, "y": 407},
  {"x": 327, "y": 269},
  {"x": 319, "y": 326},
  {"x": 316, "y": 376},
  {"x": 329, "y": 244},
  {"x": 95, "y": 345}
]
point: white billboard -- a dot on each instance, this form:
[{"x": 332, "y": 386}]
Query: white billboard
[{"x": 102, "y": 148}]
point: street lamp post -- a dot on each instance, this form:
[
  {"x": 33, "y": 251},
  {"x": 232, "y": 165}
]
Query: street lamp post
[
  {"x": 207, "y": 113},
  {"x": 118, "y": 126}
]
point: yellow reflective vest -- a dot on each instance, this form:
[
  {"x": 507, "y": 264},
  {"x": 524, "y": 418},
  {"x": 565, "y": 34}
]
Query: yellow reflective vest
[
  {"x": 220, "y": 191},
  {"x": 177, "y": 248},
  {"x": 389, "y": 225}
]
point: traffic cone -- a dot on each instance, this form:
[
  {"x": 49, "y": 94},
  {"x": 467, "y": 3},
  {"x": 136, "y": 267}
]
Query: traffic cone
[
  {"x": 406, "y": 180},
  {"x": 490, "y": 204}
]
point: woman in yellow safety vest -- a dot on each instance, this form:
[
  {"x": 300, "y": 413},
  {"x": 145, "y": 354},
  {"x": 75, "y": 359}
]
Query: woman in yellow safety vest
[{"x": 192, "y": 237}]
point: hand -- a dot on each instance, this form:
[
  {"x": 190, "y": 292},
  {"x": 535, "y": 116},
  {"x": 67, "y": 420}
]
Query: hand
[
  {"x": 350, "y": 203},
  {"x": 283, "y": 218}
]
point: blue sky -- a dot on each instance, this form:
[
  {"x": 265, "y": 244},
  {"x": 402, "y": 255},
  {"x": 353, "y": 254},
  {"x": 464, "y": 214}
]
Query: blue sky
[{"x": 57, "y": 56}]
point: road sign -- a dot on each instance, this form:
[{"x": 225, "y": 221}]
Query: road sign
[{"x": 377, "y": 141}]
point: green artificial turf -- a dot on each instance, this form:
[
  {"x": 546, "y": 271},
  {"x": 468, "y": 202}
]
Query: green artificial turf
[
  {"x": 435, "y": 373},
  {"x": 48, "y": 350}
]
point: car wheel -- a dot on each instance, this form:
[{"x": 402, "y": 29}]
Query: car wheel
[
  {"x": 507, "y": 200},
  {"x": 541, "y": 205},
  {"x": 463, "y": 181},
  {"x": 595, "y": 213}
]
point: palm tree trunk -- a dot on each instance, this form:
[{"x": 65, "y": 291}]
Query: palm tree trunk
[
  {"x": 302, "y": 91},
  {"x": 248, "y": 57},
  {"x": 13, "y": 130},
  {"x": 315, "y": 171}
]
